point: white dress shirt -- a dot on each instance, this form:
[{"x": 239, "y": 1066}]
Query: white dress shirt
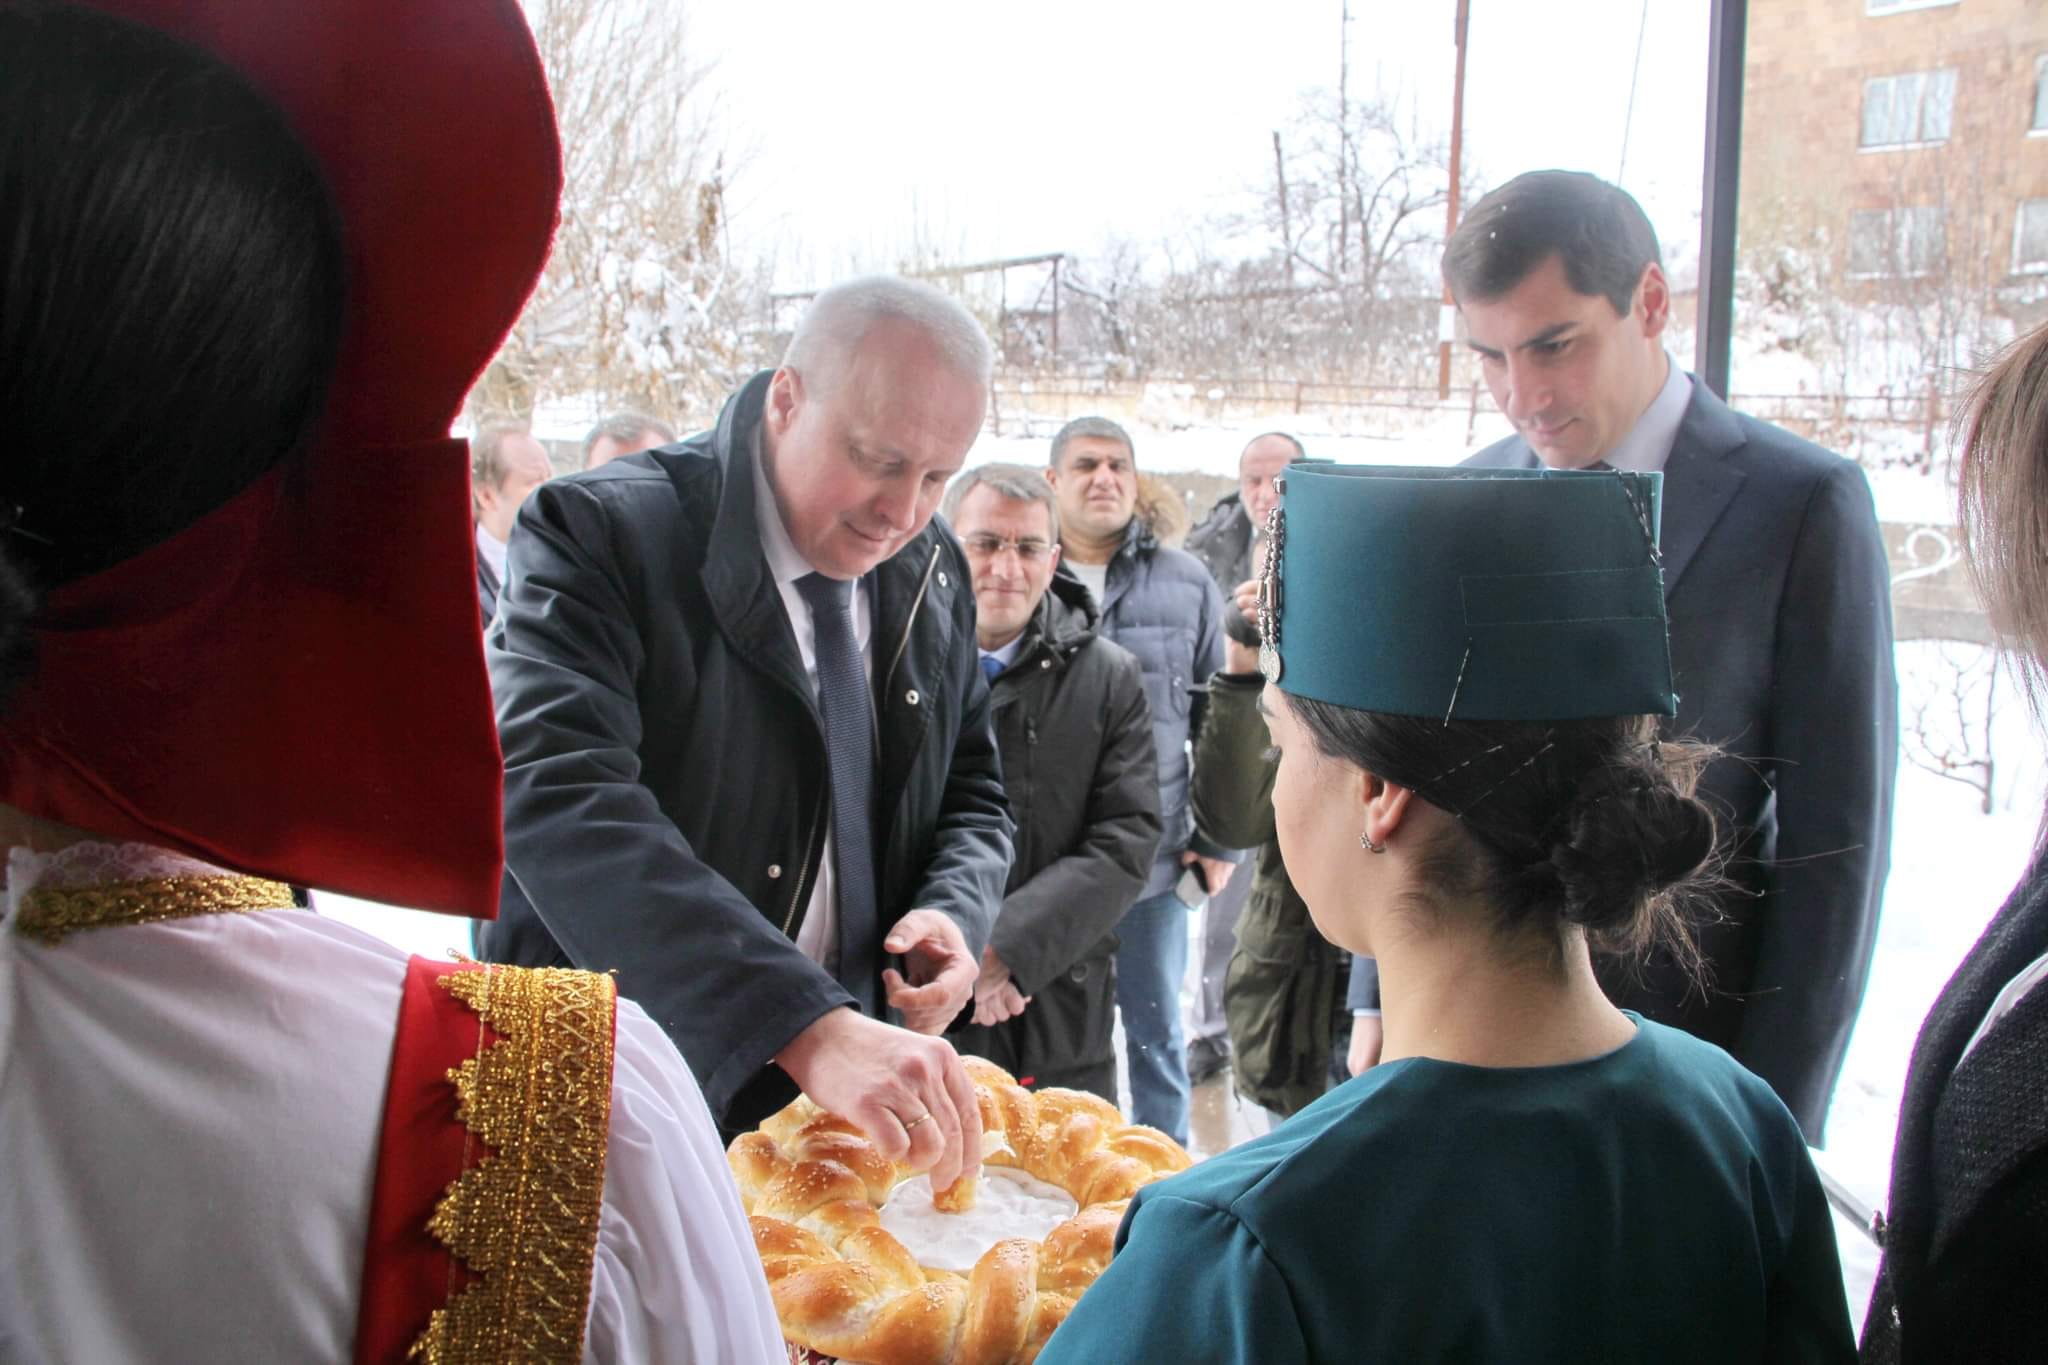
[
  {"x": 491, "y": 551},
  {"x": 1647, "y": 447},
  {"x": 818, "y": 936},
  {"x": 1005, "y": 655}
]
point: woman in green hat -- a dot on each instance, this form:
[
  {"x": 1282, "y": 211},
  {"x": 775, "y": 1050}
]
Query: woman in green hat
[{"x": 1463, "y": 669}]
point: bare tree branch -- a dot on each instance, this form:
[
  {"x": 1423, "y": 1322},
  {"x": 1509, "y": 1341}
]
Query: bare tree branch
[{"x": 639, "y": 305}]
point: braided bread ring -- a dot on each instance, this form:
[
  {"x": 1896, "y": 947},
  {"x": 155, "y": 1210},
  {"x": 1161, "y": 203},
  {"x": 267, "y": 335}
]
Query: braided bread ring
[{"x": 845, "y": 1287}]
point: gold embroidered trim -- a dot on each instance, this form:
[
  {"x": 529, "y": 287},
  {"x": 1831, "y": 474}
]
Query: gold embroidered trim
[
  {"x": 48, "y": 913},
  {"x": 525, "y": 1217}
]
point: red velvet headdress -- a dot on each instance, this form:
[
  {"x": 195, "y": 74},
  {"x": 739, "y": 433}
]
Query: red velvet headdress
[{"x": 294, "y": 686}]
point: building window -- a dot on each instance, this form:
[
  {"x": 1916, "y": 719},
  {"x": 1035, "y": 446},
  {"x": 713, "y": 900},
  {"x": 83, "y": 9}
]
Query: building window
[
  {"x": 1908, "y": 110},
  {"x": 1896, "y": 243},
  {"x": 1901, "y": 6},
  {"x": 2030, "y": 238},
  {"x": 2040, "y": 123}
]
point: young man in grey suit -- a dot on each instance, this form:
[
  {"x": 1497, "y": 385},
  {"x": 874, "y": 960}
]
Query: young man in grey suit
[{"x": 1780, "y": 606}]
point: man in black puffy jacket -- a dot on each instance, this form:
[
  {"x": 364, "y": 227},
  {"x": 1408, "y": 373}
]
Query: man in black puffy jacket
[{"x": 1075, "y": 736}]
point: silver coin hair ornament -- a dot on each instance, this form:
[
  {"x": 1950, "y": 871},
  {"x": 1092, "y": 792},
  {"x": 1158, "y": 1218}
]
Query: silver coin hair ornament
[{"x": 1269, "y": 588}]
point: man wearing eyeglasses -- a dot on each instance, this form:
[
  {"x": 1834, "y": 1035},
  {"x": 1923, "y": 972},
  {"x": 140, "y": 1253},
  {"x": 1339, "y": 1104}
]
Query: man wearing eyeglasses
[{"x": 1075, "y": 736}]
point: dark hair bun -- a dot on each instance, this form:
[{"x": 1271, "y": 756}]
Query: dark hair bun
[
  {"x": 1631, "y": 834},
  {"x": 1589, "y": 823},
  {"x": 17, "y": 642}
]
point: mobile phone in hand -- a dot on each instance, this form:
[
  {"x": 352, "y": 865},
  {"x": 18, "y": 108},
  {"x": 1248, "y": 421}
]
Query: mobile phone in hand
[{"x": 1193, "y": 888}]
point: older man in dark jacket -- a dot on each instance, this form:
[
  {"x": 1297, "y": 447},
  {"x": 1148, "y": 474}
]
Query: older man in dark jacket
[
  {"x": 1228, "y": 542},
  {"x": 1076, "y": 740},
  {"x": 737, "y": 783}
]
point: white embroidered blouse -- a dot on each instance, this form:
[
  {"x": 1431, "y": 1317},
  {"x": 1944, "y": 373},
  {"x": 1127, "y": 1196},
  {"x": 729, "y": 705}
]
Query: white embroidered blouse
[{"x": 189, "y": 1117}]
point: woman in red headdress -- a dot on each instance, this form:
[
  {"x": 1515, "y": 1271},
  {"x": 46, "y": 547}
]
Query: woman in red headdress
[{"x": 251, "y": 257}]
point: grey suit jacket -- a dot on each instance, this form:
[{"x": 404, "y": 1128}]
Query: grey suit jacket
[{"x": 1779, "y": 597}]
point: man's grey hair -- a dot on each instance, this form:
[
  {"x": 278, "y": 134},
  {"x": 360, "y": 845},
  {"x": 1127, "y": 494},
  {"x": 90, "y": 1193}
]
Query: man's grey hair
[
  {"x": 1098, "y": 428},
  {"x": 1012, "y": 481},
  {"x": 487, "y": 453},
  {"x": 837, "y": 320},
  {"x": 627, "y": 428}
]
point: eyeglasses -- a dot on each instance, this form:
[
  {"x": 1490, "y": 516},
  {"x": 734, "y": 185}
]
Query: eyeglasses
[{"x": 1030, "y": 549}]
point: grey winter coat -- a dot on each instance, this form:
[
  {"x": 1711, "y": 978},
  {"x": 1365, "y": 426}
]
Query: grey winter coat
[
  {"x": 1162, "y": 605},
  {"x": 1075, "y": 736}
]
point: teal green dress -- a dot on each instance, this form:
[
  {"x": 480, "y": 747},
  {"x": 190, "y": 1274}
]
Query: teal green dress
[{"x": 1655, "y": 1204}]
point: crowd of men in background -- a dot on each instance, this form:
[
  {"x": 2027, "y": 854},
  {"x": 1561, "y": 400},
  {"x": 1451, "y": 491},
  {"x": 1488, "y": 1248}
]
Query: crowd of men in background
[{"x": 1095, "y": 648}]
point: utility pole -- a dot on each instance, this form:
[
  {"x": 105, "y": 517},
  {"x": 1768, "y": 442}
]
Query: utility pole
[
  {"x": 1286, "y": 223},
  {"x": 1446, "y": 329},
  {"x": 1344, "y": 144}
]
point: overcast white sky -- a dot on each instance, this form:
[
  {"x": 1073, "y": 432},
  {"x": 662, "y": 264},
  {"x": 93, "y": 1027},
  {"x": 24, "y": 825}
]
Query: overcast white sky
[{"x": 1010, "y": 130}]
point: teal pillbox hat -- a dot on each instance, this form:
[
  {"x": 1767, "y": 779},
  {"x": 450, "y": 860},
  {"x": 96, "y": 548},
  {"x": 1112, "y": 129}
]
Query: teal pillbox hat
[{"x": 1475, "y": 594}]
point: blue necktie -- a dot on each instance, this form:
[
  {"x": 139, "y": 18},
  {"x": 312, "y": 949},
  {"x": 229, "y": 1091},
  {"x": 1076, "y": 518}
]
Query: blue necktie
[
  {"x": 849, "y": 755},
  {"x": 990, "y": 666}
]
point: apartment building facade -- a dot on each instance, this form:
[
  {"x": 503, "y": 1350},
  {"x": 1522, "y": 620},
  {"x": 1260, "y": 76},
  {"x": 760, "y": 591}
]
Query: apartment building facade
[{"x": 1902, "y": 145}]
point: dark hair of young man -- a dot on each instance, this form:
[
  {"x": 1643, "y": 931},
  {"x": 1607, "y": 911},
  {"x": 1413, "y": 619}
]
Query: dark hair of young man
[{"x": 1602, "y": 235}]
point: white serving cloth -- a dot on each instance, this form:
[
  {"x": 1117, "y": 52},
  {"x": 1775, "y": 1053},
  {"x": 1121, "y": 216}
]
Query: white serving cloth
[{"x": 189, "y": 1118}]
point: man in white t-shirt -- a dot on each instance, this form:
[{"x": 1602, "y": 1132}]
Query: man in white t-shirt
[{"x": 1161, "y": 604}]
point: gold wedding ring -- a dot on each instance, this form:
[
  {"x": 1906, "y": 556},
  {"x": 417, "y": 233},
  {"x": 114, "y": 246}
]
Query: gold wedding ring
[{"x": 921, "y": 1118}]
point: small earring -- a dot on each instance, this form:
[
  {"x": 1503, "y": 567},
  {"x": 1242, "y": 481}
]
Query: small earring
[{"x": 1365, "y": 842}]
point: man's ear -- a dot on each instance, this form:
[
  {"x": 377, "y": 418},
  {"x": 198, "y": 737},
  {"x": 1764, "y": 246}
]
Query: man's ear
[
  {"x": 1653, "y": 300},
  {"x": 785, "y": 396}
]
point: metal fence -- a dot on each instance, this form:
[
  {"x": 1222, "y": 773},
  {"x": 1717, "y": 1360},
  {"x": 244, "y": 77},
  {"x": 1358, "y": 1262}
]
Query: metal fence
[{"x": 1878, "y": 430}]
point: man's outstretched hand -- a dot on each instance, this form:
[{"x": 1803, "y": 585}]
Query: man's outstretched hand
[
  {"x": 907, "y": 1092},
  {"x": 996, "y": 996},
  {"x": 941, "y": 969}
]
